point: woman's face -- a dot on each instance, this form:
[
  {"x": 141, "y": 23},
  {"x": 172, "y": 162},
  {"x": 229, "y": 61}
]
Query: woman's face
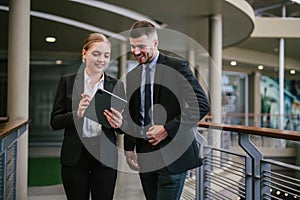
[{"x": 97, "y": 57}]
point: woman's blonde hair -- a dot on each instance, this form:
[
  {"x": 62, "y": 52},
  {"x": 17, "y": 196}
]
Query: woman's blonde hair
[{"x": 94, "y": 37}]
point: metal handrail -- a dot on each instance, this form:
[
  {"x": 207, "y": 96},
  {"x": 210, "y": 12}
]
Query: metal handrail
[
  {"x": 217, "y": 179},
  {"x": 253, "y": 130}
]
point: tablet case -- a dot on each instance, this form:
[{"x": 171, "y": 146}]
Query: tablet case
[{"x": 103, "y": 100}]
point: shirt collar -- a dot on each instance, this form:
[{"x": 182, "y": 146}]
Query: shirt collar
[
  {"x": 88, "y": 79},
  {"x": 154, "y": 61}
]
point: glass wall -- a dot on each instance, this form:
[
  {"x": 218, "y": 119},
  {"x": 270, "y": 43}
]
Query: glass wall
[
  {"x": 270, "y": 103},
  {"x": 235, "y": 98},
  {"x": 234, "y": 104},
  {"x": 44, "y": 78}
]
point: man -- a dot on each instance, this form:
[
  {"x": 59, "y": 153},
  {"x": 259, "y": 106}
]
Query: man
[{"x": 165, "y": 102}]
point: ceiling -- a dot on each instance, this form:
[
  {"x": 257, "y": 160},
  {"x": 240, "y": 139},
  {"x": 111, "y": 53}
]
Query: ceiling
[
  {"x": 273, "y": 8},
  {"x": 189, "y": 17}
]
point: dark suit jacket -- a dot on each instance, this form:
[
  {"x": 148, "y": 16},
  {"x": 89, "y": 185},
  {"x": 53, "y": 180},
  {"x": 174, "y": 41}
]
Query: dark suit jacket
[
  {"x": 64, "y": 116},
  {"x": 182, "y": 103}
]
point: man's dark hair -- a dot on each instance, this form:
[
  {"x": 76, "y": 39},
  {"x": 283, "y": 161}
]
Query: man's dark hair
[{"x": 141, "y": 28}]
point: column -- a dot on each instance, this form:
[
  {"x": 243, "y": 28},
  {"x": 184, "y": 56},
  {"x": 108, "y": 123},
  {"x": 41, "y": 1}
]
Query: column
[
  {"x": 256, "y": 98},
  {"x": 18, "y": 82},
  {"x": 123, "y": 59},
  {"x": 281, "y": 83},
  {"x": 215, "y": 74},
  {"x": 122, "y": 72},
  {"x": 281, "y": 77}
]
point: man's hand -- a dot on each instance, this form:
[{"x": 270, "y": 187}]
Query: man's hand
[{"x": 156, "y": 134}]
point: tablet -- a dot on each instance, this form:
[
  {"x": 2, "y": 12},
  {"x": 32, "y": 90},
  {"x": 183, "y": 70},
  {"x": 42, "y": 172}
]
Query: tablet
[{"x": 103, "y": 100}]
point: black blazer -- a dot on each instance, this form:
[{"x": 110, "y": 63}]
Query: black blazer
[
  {"x": 182, "y": 103},
  {"x": 64, "y": 116}
]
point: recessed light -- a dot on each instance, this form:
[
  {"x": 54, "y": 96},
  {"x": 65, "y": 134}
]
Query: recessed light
[
  {"x": 292, "y": 71},
  {"x": 50, "y": 39},
  {"x": 233, "y": 63},
  {"x": 58, "y": 62},
  {"x": 260, "y": 67}
]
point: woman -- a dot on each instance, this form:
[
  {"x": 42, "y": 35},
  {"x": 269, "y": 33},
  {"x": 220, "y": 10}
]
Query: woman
[{"x": 89, "y": 153}]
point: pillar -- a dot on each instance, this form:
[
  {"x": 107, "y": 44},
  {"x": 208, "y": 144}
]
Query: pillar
[
  {"x": 215, "y": 74},
  {"x": 18, "y": 82},
  {"x": 122, "y": 73},
  {"x": 123, "y": 59},
  {"x": 281, "y": 77}
]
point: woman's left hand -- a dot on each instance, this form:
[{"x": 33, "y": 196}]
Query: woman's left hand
[{"x": 114, "y": 117}]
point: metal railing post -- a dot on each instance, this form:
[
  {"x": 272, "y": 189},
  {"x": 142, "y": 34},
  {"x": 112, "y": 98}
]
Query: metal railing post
[
  {"x": 200, "y": 170},
  {"x": 265, "y": 188},
  {"x": 248, "y": 178},
  {"x": 256, "y": 155},
  {"x": 199, "y": 183}
]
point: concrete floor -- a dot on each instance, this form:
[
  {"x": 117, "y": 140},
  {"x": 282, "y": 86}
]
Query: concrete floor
[
  {"x": 128, "y": 187},
  {"x": 128, "y": 184}
]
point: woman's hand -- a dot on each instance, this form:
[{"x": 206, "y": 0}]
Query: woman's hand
[
  {"x": 132, "y": 160},
  {"x": 83, "y": 104},
  {"x": 114, "y": 117}
]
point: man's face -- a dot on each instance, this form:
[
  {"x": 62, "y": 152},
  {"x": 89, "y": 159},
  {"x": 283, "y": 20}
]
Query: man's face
[{"x": 143, "y": 48}]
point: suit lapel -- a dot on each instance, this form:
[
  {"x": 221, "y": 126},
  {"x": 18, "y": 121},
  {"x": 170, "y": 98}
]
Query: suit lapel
[
  {"x": 159, "y": 73},
  {"x": 78, "y": 87},
  {"x": 134, "y": 92},
  {"x": 108, "y": 85},
  {"x": 137, "y": 84}
]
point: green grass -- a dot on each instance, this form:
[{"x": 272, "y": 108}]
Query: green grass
[{"x": 43, "y": 171}]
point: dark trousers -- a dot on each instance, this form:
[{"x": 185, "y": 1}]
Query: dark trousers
[
  {"x": 161, "y": 185},
  {"x": 89, "y": 176}
]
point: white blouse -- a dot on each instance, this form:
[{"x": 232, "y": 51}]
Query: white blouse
[{"x": 91, "y": 128}]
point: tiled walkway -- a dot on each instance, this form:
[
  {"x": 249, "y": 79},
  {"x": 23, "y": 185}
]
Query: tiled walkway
[{"x": 128, "y": 187}]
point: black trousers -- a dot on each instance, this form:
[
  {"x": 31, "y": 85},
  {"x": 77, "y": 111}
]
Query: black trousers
[
  {"x": 89, "y": 176},
  {"x": 161, "y": 185}
]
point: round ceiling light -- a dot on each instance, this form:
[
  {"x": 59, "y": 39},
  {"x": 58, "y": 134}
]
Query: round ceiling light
[{"x": 50, "y": 39}]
